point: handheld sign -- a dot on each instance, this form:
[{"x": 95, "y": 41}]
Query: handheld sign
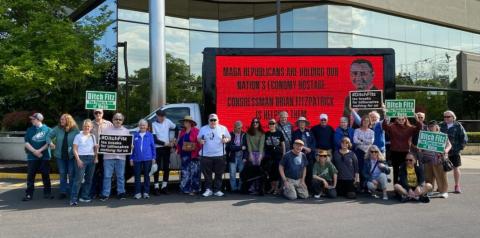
[
  {"x": 100, "y": 100},
  {"x": 400, "y": 108},
  {"x": 115, "y": 144},
  {"x": 366, "y": 99},
  {"x": 432, "y": 141}
]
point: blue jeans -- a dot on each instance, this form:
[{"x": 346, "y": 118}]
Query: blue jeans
[
  {"x": 110, "y": 166},
  {"x": 80, "y": 174},
  {"x": 66, "y": 169},
  {"x": 190, "y": 175},
  {"x": 234, "y": 167},
  {"x": 139, "y": 168}
]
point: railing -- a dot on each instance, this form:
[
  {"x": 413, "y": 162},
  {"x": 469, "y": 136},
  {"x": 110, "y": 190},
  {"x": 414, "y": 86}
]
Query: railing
[{"x": 12, "y": 133}]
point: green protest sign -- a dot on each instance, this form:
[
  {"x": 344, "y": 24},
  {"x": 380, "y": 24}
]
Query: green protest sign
[
  {"x": 400, "y": 107},
  {"x": 433, "y": 141},
  {"x": 100, "y": 100}
]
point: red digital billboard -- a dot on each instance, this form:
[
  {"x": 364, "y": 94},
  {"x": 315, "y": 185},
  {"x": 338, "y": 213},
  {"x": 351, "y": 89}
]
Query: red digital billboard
[{"x": 262, "y": 86}]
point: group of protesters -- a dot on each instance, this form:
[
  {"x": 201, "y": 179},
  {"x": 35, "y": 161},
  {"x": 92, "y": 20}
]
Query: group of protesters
[{"x": 293, "y": 160}]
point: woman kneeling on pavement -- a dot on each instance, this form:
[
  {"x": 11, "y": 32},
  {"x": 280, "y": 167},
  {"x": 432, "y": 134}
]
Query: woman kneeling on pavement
[
  {"x": 143, "y": 155},
  {"x": 85, "y": 152},
  {"x": 411, "y": 183},
  {"x": 433, "y": 165},
  {"x": 324, "y": 176},
  {"x": 348, "y": 173},
  {"x": 375, "y": 171}
]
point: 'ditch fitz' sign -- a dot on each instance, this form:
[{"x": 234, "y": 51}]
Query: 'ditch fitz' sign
[
  {"x": 100, "y": 100},
  {"x": 114, "y": 144},
  {"x": 433, "y": 141}
]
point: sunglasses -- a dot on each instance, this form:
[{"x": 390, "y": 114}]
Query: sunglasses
[
  {"x": 323, "y": 119},
  {"x": 319, "y": 155},
  {"x": 374, "y": 152},
  {"x": 271, "y": 123},
  {"x": 256, "y": 122},
  {"x": 409, "y": 160},
  {"x": 447, "y": 116},
  {"x": 213, "y": 120}
]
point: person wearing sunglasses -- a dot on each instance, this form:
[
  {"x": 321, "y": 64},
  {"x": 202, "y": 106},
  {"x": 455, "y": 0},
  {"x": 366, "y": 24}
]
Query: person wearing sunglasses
[
  {"x": 400, "y": 133},
  {"x": 324, "y": 135},
  {"x": 458, "y": 137},
  {"x": 411, "y": 185},
  {"x": 433, "y": 165},
  {"x": 237, "y": 154},
  {"x": 375, "y": 172},
  {"x": 114, "y": 163},
  {"x": 213, "y": 138},
  {"x": 324, "y": 176},
  {"x": 274, "y": 151},
  {"x": 99, "y": 125}
]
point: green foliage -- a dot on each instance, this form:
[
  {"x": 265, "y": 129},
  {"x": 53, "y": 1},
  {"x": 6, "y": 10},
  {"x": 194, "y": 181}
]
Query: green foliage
[
  {"x": 473, "y": 137},
  {"x": 181, "y": 87},
  {"x": 47, "y": 60}
]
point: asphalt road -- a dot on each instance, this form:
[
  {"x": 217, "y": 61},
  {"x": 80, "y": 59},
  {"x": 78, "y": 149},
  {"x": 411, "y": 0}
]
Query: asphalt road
[{"x": 177, "y": 215}]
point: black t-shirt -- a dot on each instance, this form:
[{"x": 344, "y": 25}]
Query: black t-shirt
[{"x": 273, "y": 142}]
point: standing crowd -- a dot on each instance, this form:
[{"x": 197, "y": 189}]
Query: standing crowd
[{"x": 295, "y": 161}]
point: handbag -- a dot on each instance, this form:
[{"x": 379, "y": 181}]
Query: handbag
[
  {"x": 447, "y": 165},
  {"x": 188, "y": 146}
]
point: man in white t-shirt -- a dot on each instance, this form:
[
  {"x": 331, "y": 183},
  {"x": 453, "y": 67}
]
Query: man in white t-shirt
[
  {"x": 161, "y": 134},
  {"x": 213, "y": 137}
]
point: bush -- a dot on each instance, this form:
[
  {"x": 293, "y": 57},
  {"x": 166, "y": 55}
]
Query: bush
[
  {"x": 16, "y": 121},
  {"x": 473, "y": 137}
]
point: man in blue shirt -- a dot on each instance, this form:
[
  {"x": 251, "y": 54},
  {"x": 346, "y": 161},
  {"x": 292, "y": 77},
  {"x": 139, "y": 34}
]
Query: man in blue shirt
[{"x": 38, "y": 156}]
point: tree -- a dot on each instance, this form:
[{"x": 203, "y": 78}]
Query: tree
[
  {"x": 47, "y": 60},
  {"x": 181, "y": 87}
]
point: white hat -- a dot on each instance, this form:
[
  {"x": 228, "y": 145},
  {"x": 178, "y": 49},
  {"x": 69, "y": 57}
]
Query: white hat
[
  {"x": 323, "y": 116},
  {"x": 213, "y": 116}
]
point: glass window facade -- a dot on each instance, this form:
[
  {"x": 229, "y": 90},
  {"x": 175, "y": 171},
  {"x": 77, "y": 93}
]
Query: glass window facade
[{"x": 425, "y": 53}]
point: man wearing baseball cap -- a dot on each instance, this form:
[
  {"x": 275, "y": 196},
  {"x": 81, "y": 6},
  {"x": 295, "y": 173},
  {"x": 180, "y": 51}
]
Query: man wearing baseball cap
[
  {"x": 213, "y": 138},
  {"x": 99, "y": 125},
  {"x": 38, "y": 156},
  {"x": 324, "y": 134},
  {"x": 293, "y": 169}
]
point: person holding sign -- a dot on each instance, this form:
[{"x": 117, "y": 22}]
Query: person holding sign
[
  {"x": 99, "y": 125},
  {"x": 213, "y": 138},
  {"x": 143, "y": 155},
  {"x": 85, "y": 152},
  {"x": 400, "y": 133},
  {"x": 411, "y": 184},
  {"x": 114, "y": 163},
  {"x": 458, "y": 137},
  {"x": 432, "y": 162},
  {"x": 187, "y": 148}
]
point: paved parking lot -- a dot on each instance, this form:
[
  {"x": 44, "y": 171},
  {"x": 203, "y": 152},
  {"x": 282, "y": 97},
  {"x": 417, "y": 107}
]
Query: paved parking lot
[{"x": 234, "y": 215}]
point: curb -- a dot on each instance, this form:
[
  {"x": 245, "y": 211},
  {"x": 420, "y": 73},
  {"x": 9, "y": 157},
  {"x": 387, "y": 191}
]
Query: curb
[{"x": 24, "y": 176}]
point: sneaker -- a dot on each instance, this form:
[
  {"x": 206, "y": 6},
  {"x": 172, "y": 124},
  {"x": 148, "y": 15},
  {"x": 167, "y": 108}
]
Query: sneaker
[
  {"x": 219, "y": 194},
  {"x": 103, "y": 198},
  {"x": 374, "y": 195},
  {"x": 458, "y": 190},
  {"x": 121, "y": 196},
  {"x": 444, "y": 195},
  {"x": 62, "y": 196},
  {"x": 73, "y": 204},
  {"x": 424, "y": 199},
  {"x": 137, "y": 196},
  {"x": 207, "y": 193},
  {"x": 27, "y": 198},
  {"x": 317, "y": 196},
  {"x": 146, "y": 196},
  {"x": 85, "y": 200},
  {"x": 385, "y": 197}
]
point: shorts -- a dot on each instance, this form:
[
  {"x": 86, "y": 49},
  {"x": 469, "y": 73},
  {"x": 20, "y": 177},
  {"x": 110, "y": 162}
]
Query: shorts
[{"x": 456, "y": 160}]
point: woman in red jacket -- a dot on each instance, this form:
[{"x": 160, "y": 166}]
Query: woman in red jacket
[
  {"x": 188, "y": 148},
  {"x": 400, "y": 133}
]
